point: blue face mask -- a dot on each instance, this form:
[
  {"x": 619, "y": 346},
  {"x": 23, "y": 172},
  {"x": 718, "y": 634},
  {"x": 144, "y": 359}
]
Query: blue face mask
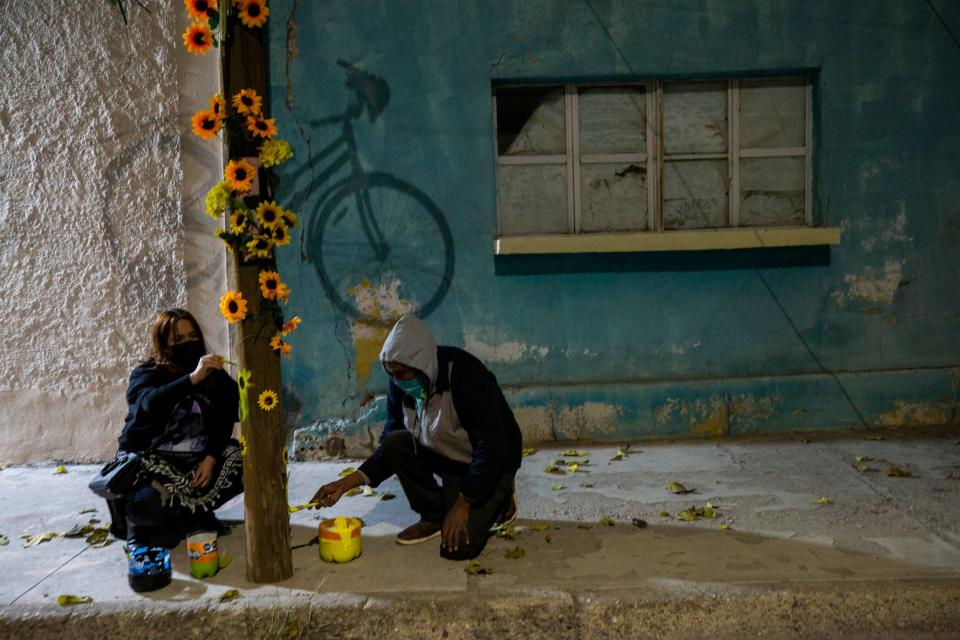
[{"x": 415, "y": 387}]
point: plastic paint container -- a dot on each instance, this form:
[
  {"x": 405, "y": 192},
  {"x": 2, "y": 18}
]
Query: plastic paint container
[
  {"x": 203, "y": 554},
  {"x": 340, "y": 539}
]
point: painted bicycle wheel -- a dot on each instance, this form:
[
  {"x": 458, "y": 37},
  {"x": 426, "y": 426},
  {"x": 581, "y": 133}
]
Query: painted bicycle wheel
[{"x": 380, "y": 245}]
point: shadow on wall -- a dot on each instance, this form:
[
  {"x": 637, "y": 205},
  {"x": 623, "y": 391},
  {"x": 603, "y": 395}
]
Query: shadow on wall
[{"x": 370, "y": 229}]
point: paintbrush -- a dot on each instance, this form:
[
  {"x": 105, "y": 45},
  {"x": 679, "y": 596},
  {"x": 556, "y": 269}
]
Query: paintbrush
[{"x": 301, "y": 507}]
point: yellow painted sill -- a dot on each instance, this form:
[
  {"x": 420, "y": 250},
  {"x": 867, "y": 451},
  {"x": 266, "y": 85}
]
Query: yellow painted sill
[{"x": 693, "y": 240}]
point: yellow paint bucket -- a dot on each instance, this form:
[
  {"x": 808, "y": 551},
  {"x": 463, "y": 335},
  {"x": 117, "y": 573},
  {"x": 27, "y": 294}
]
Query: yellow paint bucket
[{"x": 340, "y": 539}]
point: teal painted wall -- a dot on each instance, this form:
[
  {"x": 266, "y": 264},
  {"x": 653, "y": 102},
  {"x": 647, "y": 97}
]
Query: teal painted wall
[{"x": 638, "y": 346}]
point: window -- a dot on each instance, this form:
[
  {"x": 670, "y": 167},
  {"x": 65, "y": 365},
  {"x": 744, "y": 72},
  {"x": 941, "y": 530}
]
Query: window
[{"x": 653, "y": 156}]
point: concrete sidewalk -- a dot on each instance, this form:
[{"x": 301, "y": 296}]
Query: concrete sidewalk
[{"x": 880, "y": 559}]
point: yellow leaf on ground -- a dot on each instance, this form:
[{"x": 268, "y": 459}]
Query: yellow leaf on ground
[
  {"x": 572, "y": 468},
  {"x": 724, "y": 525},
  {"x": 507, "y": 531},
  {"x": 709, "y": 511},
  {"x": 540, "y": 526},
  {"x": 679, "y": 489},
  {"x": 585, "y": 525},
  {"x": 225, "y": 560},
  {"x": 665, "y": 514},
  {"x": 369, "y": 491},
  {"x": 821, "y": 500},
  {"x": 896, "y": 471},
  {"x": 4, "y": 540},
  {"x": 3, "y": 467},
  {"x": 688, "y": 515},
  {"x": 38, "y": 539},
  {"x": 515, "y": 554},
  {"x": 573, "y": 453},
  {"x": 554, "y": 469},
  {"x": 352, "y": 492},
  {"x": 863, "y": 459},
  {"x": 67, "y": 600},
  {"x": 387, "y": 496},
  {"x": 557, "y": 487},
  {"x": 529, "y": 451},
  {"x": 473, "y": 568},
  {"x": 608, "y": 522},
  {"x": 346, "y": 472},
  {"x": 60, "y": 469},
  {"x": 229, "y": 595}
]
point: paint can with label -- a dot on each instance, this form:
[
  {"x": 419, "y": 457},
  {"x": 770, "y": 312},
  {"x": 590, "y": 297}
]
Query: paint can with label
[
  {"x": 340, "y": 539},
  {"x": 203, "y": 554}
]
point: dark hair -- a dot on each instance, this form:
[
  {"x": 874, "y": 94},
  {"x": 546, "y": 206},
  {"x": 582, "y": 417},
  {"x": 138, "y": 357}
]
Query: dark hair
[{"x": 164, "y": 326}]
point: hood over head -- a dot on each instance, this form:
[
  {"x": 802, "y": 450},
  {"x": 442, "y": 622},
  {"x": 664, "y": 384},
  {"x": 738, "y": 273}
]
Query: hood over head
[{"x": 411, "y": 343}]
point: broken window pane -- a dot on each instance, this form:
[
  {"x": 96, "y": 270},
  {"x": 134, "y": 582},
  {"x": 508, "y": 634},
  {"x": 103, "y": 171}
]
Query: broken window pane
[
  {"x": 695, "y": 194},
  {"x": 694, "y": 117},
  {"x": 771, "y": 192},
  {"x": 532, "y": 199},
  {"x": 613, "y": 197},
  {"x": 530, "y": 121},
  {"x": 772, "y": 113},
  {"x": 612, "y": 120}
]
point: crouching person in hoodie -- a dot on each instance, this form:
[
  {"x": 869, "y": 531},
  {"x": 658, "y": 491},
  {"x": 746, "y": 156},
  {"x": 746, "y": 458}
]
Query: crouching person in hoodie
[{"x": 446, "y": 416}]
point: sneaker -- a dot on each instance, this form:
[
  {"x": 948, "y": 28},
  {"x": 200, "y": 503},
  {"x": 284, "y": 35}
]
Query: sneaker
[
  {"x": 509, "y": 514},
  {"x": 419, "y": 532}
]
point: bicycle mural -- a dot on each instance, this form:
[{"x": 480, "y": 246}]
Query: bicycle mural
[{"x": 370, "y": 226}]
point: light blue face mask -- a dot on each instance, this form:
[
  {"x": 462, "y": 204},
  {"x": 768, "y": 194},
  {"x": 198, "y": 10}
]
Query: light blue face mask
[{"x": 415, "y": 387}]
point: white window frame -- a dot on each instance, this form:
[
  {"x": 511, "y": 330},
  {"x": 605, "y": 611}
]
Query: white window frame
[{"x": 654, "y": 157}]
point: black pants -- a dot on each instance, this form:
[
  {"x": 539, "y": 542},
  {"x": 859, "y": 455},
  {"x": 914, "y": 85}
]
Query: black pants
[{"x": 416, "y": 466}]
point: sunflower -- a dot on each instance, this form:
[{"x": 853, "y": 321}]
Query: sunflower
[
  {"x": 283, "y": 292},
  {"x": 205, "y": 124},
  {"x": 269, "y": 214},
  {"x": 274, "y": 152},
  {"x": 223, "y": 235},
  {"x": 218, "y": 105},
  {"x": 285, "y": 350},
  {"x": 198, "y": 9},
  {"x": 247, "y": 102},
  {"x": 253, "y": 13},
  {"x": 281, "y": 236},
  {"x": 238, "y": 221},
  {"x": 260, "y": 245},
  {"x": 290, "y": 218},
  {"x": 198, "y": 38},
  {"x": 240, "y": 175},
  {"x": 268, "y": 400},
  {"x": 263, "y": 127},
  {"x": 217, "y": 199},
  {"x": 233, "y": 306},
  {"x": 290, "y": 325},
  {"x": 269, "y": 284},
  {"x": 243, "y": 445},
  {"x": 244, "y": 382}
]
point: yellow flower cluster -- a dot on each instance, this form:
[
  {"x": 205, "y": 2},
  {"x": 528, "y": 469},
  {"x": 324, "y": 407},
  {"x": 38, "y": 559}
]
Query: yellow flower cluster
[
  {"x": 274, "y": 152},
  {"x": 218, "y": 199}
]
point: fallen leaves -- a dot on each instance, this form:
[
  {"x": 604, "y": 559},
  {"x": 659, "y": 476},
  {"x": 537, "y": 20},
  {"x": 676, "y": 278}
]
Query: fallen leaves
[
  {"x": 225, "y": 560},
  {"x": 515, "y": 554},
  {"x": 60, "y": 469},
  {"x": 665, "y": 514},
  {"x": 4, "y": 540},
  {"x": 639, "y": 522},
  {"x": 539, "y": 526},
  {"x": 724, "y": 526},
  {"x": 585, "y": 525},
  {"x": 557, "y": 487},
  {"x": 896, "y": 471},
  {"x": 473, "y": 568},
  {"x": 68, "y": 600},
  {"x": 346, "y": 472},
  {"x": 40, "y": 538},
  {"x": 529, "y": 452},
  {"x": 679, "y": 489},
  {"x": 230, "y": 594},
  {"x": 608, "y": 522},
  {"x": 507, "y": 531},
  {"x": 352, "y": 492},
  {"x": 621, "y": 453},
  {"x": 820, "y": 501},
  {"x": 368, "y": 492},
  {"x": 691, "y": 513},
  {"x": 554, "y": 469},
  {"x": 573, "y": 453},
  {"x": 387, "y": 496}
]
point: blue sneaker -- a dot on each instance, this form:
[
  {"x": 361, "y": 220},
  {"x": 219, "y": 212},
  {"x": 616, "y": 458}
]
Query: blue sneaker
[{"x": 148, "y": 568}]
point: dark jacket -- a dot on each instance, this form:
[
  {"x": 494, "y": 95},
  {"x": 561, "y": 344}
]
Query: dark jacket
[
  {"x": 153, "y": 394},
  {"x": 466, "y": 418}
]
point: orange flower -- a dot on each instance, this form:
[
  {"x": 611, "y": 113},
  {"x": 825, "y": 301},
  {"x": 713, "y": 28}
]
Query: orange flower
[
  {"x": 247, "y": 102},
  {"x": 198, "y": 38},
  {"x": 290, "y": 325},
  {"x": 276, "y": 342},
  {"x": 240, "y": 174},
  {"x": 218, "y": 105},
  {"x": 198, "y": 9},
  {"x": 253, "y": 13},
  {"x": 270, "y": 284},
  {"x": 283, "y": 293},
  {"x": 285, "y": 349},
  {"x": 263, "y": 127},
  {"x": 206, "y": 124}
]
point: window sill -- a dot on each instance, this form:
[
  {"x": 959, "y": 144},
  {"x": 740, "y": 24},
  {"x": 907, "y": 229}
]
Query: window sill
[{"x": 694, "y": 240}]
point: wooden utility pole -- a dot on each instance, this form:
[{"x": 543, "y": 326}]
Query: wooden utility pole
[{"x": 264, "y": 468}]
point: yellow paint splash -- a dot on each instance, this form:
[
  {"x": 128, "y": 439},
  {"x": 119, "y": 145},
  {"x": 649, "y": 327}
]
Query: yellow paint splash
[{"x": 715, "y": 425}]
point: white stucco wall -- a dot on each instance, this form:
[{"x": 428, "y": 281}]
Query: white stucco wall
[{"x": 101, "y": 203}]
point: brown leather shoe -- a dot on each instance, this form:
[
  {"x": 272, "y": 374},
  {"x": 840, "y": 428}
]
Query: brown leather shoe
[
  {"x": 419, "y": 532},
  {"x": 510, "y": 514}
]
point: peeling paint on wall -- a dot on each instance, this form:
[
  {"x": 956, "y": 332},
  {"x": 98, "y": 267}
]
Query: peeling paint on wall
[
  {"x": 583, "y": 421},
  {"x": 874, "y": 285},
  {"x": 505, "y": 351},
  {"x": 748, "y": 409},
  {"x": 910, "y": 414},
  {"x": 710, "y": 417},
  {"x": 380, "y": 302}
]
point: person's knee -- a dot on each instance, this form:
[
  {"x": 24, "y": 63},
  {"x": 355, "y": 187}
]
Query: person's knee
[{"x": 396, "y": 443}]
